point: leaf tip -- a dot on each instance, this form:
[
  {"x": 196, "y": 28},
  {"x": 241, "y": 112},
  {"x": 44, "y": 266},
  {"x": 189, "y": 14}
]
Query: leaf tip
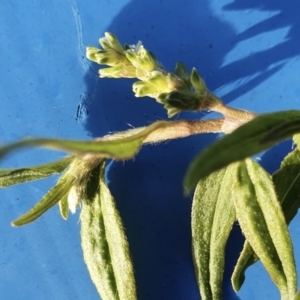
[{"x": 14, "y": 224}]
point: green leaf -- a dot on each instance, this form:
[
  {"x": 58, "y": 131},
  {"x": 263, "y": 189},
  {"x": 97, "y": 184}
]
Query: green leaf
[
  {"x": 262, "y": 221},
  {"x": 10, "y": 177},
  {"x": 287, "y": 185},
  {"x": 213, "y": 215},
  {"x": 246, "y": 259},
  {"x": 57, "y": 193},
  {"x": 105, "y": 247},
  {"x": 64, "y": 207},
  {"x": 282, "y": 131},
  {"x": 242, "y": 143},
  {"x": 125, "y": 146}
]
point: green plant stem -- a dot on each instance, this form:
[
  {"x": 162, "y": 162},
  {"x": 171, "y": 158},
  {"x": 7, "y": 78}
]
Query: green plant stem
[
  {"x": 171, "y": 130},
  {"x": 214, "y": 103},
  {"x": 184, "y": 128},
  {"x": 234, "y": 118}
]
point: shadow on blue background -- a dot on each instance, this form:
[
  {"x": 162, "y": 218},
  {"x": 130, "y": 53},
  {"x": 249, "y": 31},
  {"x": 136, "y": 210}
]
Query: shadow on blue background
[
  {"x": 271, "y": 60},
  {"x": 149, "y": 189}
]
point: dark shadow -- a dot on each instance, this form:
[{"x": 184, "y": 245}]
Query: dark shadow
[
  {"x": 148, "y": 190},
  {"x": 284, "y": 16}
]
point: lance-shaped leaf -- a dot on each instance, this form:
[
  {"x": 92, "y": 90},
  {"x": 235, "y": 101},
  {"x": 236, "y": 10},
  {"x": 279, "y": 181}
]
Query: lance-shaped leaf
[
  {"x": 246, "y": 259},
  {"x": 245, "y": 141},
  {"x": 64, "y": 207},
  {"x": 262, "y": 221},
  {"x": 57, "y": 193},
  {"x": 282, "y": 131},
  {"x": 10, "y": 177},
  {"x": 105, "y": 247},
  {"x": 287, "y": 185},
  {"x": 213, "y": 215},
  {"x": 79, "y": 177},
  {"x": 125, "y": 146}
]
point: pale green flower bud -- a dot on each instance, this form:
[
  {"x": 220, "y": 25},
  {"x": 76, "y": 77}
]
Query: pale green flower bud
[
  {"x": 140, "y": 74},
  {"x": 153, "y": 85},
  {"x": 120, "y": 71},
  {"x": 141, "y": 58},
  {"x": 91, "y": 53},
  {"x": 144, "y": 88},
  {"x": 159, "y": 80},
  {"x": 146, "y": 59},
  {"x": 182, "y": 72},
  {"x": 110, "y": 41},
  {"x": 107, "y": 57},
  {"x": 172, "y": 111},
  {"x": 132, "y": 57},
  {"x": 198, "y": 83}
]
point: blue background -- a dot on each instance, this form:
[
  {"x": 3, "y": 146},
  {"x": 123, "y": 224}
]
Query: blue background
[{"x": 248, "y": 52}]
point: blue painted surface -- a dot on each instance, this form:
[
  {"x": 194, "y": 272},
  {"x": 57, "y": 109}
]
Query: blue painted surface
[{"x": 248, "y": 53}]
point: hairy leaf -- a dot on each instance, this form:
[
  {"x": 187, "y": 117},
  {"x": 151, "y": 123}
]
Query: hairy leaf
[
  {"x": 245, "y": 141},
  {"x": 246, "y": 259},
  {"x": 10, "y": 177},
  {"x": 282, "y": 131},
  {"x": 125, "y": 146},
  {"x": 213, "y": 215},
  {"x": 105, "y": 247},
  {"x": 57, "y": 193},
  {"x": 262, "y": 221},
  {"x": 287, "y": 185},
  {"x": 64, "y": 207}
]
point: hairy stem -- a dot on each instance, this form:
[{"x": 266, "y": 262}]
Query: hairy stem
[
  {"x": 172, "y": 130},
  {"x": 214, "y": 103},
  {"x": 184, "y": 128}
]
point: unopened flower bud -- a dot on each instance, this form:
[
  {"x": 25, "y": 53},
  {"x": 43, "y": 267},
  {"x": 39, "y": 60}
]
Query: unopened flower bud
[
  {"x": 198, "y": 83},
  {"x": 91, "y": 54},
  {"x": 159, "y": 80},
  {"x": 143, "y": 88},
  {"x": 154, "y": 84},
  {"x": 119, "y": 71},
  {"x": 172, "y": 111},
  {"x": 132, "y": 57},
  {"x": 146, "y": 59},
  {"x": 110, "y": 41},
  {"x": 182, "y": 72},
  {"x": 108, "y": 57}
]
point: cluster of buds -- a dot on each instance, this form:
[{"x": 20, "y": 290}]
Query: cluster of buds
[
  {"x": 124, "y": 62},
  {"x": 178, "y": 91}
]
